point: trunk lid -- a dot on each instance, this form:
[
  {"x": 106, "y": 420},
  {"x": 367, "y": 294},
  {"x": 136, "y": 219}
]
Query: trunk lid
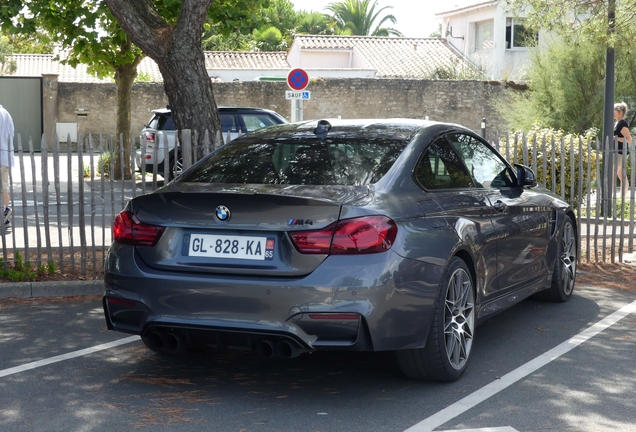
[{"x": 252, "y": 240}]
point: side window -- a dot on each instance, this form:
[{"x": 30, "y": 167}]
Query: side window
[
  {"x": 228, "y": 123},
  {"x": 439, "y": 167},
  {"x": 168, "y": 124},
  {"x": 257, "y": 121},
  {"x": 484, "y": 164},
  {"x": 153, "y": 123}
]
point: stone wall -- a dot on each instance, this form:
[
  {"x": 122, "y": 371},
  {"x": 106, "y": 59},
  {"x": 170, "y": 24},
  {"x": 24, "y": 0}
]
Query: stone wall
[{"x": 93, "y": 106}]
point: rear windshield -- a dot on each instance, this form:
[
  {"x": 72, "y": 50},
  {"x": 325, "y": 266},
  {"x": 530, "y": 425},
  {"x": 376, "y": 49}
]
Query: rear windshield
[
  {"x": 337, "y": 161},
  {"x": 161, "y": 122}
]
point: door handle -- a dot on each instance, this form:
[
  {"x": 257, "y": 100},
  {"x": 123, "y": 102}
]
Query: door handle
[{"x": 500, "y": 206}]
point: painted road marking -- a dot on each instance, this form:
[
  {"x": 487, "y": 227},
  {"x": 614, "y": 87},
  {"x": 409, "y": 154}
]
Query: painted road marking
[
  {"x": 495, "y": 429},
  {"x": 477, "y": 397},
  {"x": 68, "y": 356}
]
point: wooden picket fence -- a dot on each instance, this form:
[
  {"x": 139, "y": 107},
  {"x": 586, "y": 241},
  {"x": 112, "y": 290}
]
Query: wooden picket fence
[
  {"x": 65, "y": 199},
  {"x": 577, "y": 170}
]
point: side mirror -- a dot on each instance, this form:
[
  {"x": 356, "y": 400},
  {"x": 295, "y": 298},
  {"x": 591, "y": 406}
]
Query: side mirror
[{"x": 525, "y": 176}]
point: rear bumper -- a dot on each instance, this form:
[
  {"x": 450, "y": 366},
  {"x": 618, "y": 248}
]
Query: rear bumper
[
  {"x": 334, "y": 334},
  {"x": 149, "y": 160},
  {"x": 382, "y": 302}
]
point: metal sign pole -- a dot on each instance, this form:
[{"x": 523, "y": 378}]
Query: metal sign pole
[
  {"x": 297, "y": 80},
  {"x": 608, "y": 118}
]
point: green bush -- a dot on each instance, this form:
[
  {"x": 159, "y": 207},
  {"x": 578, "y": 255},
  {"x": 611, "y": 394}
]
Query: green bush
[
  {"x": 103, "y": 166},
  {"x": 19, "y": 271},
  {"x": 553, "y": 156}
]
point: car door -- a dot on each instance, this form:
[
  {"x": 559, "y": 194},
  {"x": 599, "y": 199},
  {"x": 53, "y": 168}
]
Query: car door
[
  {"x": 451, "y": 197},
  {"x": 522, "y": 217}
]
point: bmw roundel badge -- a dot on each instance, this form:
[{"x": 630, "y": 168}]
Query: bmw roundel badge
[{"x": 223, "y": 213}]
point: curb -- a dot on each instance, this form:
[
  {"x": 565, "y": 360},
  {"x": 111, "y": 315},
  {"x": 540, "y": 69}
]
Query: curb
[{"x": 50, "y": 289}]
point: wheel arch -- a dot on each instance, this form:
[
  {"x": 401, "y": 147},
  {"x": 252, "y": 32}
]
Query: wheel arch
[
  {"x": 575, "y": 226},
  {"x": 470, "y": 263}
]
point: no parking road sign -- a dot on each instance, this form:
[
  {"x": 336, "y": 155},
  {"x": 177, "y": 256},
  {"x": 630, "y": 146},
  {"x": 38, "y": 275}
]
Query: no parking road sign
[{"x": 297, "y": 79}]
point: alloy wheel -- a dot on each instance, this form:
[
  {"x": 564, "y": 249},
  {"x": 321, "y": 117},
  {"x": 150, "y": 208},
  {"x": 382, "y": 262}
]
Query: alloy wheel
[
  {"x": 459, "y": 318},
  {"x": 568, "y": 258},
  {"x": 177, "y": 168}
]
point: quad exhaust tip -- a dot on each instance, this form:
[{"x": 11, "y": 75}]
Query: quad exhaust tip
[
  {"x": 172, "y": 342},
  {"x": 282, "y": 349},
  {"x": 265, "y": 348},
  {"x": 166, "y": 342}
]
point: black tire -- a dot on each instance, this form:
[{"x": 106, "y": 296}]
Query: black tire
[
  {"x": 175, "y": 169},
  {"x": 170, "y": 169},
  {"x": 564, "y": 273},
  {"x": 449, "y": 344}
]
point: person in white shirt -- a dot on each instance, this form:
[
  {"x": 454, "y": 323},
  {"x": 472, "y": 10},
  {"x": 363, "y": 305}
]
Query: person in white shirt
[{"x": 6, "y": 160}]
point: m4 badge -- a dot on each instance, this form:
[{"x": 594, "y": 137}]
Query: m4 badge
[{"x": 295, "y": 222}]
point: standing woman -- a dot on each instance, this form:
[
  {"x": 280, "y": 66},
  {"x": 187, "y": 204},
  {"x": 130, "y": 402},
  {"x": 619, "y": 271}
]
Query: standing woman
[{"x": 624, "y": 138}]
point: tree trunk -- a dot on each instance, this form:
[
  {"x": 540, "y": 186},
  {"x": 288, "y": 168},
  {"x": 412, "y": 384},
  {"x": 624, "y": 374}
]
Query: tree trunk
[
  {"x": 177, "y": 51},
  {"x": 124, "y": 78},
  {"x": 189, "y": 90}
]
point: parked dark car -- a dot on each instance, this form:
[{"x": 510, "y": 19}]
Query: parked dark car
[
  {"x": 160, "y": 133},
  {"x": 353, "y": 235}
]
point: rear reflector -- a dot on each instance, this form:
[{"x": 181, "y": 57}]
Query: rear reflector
[
  {"x": 334, "y": 316},
  {"x": 363, "y": 235},
  {"x": 127, "y": 229},
  {"x": 120, "y": 302}
]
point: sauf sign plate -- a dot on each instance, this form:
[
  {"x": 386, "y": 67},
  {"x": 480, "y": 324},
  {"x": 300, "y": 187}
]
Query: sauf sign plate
[{"x": 302, "y": 95}]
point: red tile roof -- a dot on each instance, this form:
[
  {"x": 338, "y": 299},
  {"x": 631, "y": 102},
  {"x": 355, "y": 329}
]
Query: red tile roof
[
  {"x": 38, "y": 64},
  {"x": 392, "y": 57},
  {"x": 469, "y": 7},
  {"x": 245, "y": 60}
]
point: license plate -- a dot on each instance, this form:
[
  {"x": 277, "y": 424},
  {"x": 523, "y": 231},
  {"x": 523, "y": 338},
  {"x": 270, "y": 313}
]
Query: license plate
[{"x": 228, "y": 246}]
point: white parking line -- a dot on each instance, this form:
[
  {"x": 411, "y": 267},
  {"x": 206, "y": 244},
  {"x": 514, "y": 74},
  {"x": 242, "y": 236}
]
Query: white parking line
[
  {"x": 475, "y": 398},
  {"x": 68, "y": 356},
  {"x": 496, "y": 429}
]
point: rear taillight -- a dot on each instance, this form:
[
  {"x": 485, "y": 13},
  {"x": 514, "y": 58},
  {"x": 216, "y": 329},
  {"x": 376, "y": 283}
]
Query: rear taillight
[
  {"x": 363, "y": 235},
  {"x": 313, "y": 242},
  {"x": 150, "y": 137},
  {"x": 127, "y": 229},
  {"x": 370, "y": 234}
]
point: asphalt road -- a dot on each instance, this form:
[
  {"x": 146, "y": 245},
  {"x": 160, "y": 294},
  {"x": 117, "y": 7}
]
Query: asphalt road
[{"x": 591, "y": 387}]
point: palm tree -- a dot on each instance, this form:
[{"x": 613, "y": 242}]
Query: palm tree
[
  {"x": 359, "y": 16},
  {"x": 269, "y": 38},
  {"x": 314, "y": 23}
]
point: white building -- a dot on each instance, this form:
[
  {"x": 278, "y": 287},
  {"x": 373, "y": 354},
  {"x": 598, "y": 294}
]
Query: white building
[
  {"x": 492, "y": 37},
  {"x": 373, "y": 57}
]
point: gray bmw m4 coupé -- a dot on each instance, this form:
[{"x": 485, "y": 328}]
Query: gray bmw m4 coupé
[{"x": 358, "y": 235}]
